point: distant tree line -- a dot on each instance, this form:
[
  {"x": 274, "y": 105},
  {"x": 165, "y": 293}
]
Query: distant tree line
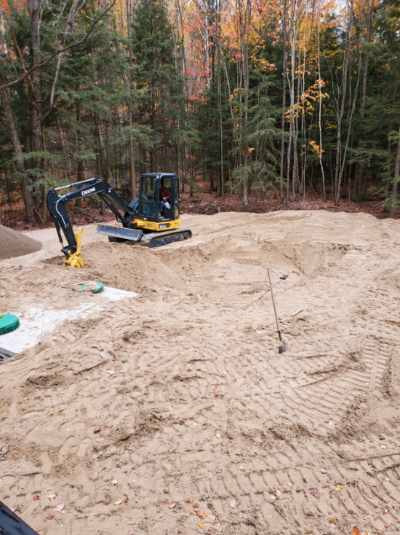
[{"x": 291, "y": 96}]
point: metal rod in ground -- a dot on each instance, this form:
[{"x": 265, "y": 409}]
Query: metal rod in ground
[{"x": 282, "y": 344}]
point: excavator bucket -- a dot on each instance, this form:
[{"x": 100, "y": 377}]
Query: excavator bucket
[
  {"x": 75, "y": 259},
  {"x": 121, "y": 233}
]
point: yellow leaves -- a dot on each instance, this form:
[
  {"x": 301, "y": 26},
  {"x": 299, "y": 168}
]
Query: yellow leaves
[
  {"x": 362, "y": 8},
  {"x": 307, "y": 100},
  {"x": 316, "y": 148},
  {"x": 263, "y": 64}
]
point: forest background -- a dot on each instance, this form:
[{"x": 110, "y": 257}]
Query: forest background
[{"x": 289, "y": 99}]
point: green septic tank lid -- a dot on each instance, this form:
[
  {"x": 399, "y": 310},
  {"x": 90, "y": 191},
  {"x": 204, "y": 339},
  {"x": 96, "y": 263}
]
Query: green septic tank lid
[
  {"x": 93, "y": 287},
  {"x": 8, "y": 323},
  {"x": 98, "y": 288}
]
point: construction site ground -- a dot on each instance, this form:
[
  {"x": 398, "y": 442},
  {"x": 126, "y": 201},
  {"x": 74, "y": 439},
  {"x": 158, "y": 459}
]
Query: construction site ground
[{"x": 173, "y": 413}]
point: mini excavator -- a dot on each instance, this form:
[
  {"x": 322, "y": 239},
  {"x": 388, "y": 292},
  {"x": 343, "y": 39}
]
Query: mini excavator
[{"x": 152, "y": 219}]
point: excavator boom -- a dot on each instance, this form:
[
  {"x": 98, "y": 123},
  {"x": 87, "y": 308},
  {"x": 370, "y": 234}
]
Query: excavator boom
[{"x": 57, "y": 206}]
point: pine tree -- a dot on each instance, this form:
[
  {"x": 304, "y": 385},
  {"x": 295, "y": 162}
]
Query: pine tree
[{"x": 156, "y": 80}]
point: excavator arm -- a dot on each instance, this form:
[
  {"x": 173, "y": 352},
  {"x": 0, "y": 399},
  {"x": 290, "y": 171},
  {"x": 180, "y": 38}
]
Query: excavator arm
[{"x": 57, "y": 206}]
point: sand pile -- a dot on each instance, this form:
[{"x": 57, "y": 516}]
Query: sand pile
[
  {"x": 128, "y": 267},
  {"x": 14, "y": 243}
]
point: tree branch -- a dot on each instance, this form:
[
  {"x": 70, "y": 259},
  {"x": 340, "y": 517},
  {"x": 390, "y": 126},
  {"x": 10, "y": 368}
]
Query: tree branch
[
  {"x": 75, "y": 7},
  {"x": 62, "y": 50}
]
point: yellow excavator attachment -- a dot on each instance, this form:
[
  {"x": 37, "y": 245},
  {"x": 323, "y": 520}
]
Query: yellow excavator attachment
[{"x": 75, "y": 259}]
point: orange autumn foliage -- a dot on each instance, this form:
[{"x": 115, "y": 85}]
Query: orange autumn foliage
[{"x": 5, "y": 5}]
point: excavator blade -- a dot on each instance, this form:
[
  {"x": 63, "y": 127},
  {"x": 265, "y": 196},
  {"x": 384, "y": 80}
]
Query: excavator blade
[
  {"x": 120, "y": 233},
  {"x": 154, "y": 239}
]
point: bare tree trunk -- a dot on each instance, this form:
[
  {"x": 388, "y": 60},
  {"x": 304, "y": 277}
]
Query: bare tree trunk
[
  {"x": 396, "y": 181},
  {"x": 368, "y": 16},
  {"x": 75, "y": 7},
  {"x": 18, "y": 152},
  {"x": 186, "y": 147},
  {"x": 67, "y": 161},
  {"x": 221, "y": 189},
  {"x": 349, "y": 130},
  {"x": 341, "y": 102},
  {"x": 284, "y": 74},
  {"x": 291, "y": 168},
  {"x": 244, "y": 15},
  {"x": 79, "y": 165},
  {"x": 132, "y": 160},
  {"x": 11, "y": 122},
  {"x": 129, "y": 82},
  {"x": 320, "y": 85},
  {"x": 34, "y": 7},
  {"x": 302, "y": 85},
  {"x": 246, "y": 98}
]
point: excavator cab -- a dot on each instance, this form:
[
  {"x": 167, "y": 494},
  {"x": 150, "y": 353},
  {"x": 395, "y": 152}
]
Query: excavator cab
[{"x": 158, "y": 200}]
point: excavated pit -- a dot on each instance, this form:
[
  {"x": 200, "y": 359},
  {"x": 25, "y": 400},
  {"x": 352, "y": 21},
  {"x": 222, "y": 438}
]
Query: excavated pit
[{"x": 239, "y": 260}]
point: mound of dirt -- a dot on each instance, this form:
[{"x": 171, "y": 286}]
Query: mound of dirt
[
  {"x": 13, "y": 243},
  {"x": 129, "y": 267}
]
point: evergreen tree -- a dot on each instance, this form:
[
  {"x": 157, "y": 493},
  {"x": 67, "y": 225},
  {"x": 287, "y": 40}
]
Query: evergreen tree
[{"x": 156, "y": 80}]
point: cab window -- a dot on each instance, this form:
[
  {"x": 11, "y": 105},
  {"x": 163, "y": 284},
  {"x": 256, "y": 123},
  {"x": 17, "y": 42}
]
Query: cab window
[
  {"x": 166, "y": 183},
  {"x": 148, "y": 187}
]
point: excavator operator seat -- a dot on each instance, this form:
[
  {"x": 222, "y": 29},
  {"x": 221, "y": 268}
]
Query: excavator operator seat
[{"x": 167, "y": 198}]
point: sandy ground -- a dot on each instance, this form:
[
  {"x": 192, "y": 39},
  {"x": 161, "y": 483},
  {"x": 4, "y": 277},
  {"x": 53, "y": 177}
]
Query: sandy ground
[{"x": 174, "y": 413}]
